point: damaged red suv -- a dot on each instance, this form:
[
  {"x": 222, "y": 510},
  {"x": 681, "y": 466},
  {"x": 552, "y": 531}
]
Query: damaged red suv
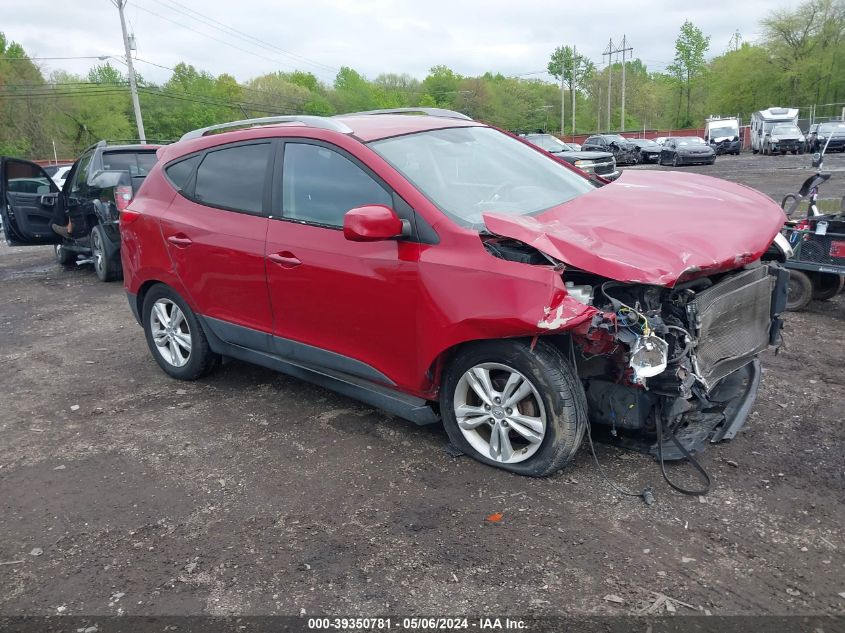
[{"x": 440, "y": 269}]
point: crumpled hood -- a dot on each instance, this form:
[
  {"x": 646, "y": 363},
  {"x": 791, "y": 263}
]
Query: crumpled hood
[{"x": 652, "y": 227}]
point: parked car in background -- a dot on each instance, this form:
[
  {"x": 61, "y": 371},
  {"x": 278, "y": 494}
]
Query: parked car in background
[
  {"x": 686, "y": 150},
  {"x": 649, "y": 150},
  {"x": 819, "y": 134},
  {"x": 600, "y": 163},
  {"x": 58, "y": 173},
  {"x": 723, "y": 135},
  {"x": 624, "y": 151},
  {"x": 440, "y": 269},
  {"x": 782, "y": 139},
  {"x": 99, "y": 185}
]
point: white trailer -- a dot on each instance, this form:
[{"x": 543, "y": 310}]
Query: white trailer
[{"x": 763, "y": 121}]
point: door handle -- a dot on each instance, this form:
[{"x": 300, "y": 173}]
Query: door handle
[
  {"x": 285, "y": 259},
  {"x": 179, "y": 240}
]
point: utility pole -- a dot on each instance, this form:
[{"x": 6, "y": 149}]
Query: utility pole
[
  {"x": 562, "y": 101},
  {"x": 624, "y": 49},
  {"x": 133, "y": 86},
  {"x": 574, "y": 89},
  {"x": 609, "y": 52}
]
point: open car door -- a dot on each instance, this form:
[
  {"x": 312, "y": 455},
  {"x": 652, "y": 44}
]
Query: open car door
[{"x": 29, "y": 203}]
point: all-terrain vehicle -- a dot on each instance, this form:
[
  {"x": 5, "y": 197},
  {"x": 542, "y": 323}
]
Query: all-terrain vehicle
[{"x": 101, "y": 183}]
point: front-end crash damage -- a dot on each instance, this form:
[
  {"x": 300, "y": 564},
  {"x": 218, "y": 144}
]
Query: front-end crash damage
[
  {"x": 671, "y": 354},
  {"x": 683, "y": 357}
]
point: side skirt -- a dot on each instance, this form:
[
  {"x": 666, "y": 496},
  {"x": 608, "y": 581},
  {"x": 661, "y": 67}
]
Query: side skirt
[{"x": 390, "y": 400}]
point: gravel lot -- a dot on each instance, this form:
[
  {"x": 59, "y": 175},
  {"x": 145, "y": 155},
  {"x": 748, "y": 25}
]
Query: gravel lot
[{"x": 122, "y": 491}]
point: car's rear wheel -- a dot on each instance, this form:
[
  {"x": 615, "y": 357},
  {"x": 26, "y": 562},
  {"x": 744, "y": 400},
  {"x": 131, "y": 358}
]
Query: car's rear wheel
[
  {"x": 675, "y": 160},
  {"x": 106, "y": 267},
  {"x": 175, "y": 336},
  {"x": 512, "y": 407},
  {"x": 826, "y": 285},
  {"x": 800, "y": 291}
]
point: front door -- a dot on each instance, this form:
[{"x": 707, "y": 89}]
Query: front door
[
  {"x": 215, "y": 230},
  {"x": 29, "y": 203},
  {"x": 342, "y": 305}
]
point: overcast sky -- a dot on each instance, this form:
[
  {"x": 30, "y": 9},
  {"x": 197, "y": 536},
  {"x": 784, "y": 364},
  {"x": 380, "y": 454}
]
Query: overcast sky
[{"x": 373, "y": 36}]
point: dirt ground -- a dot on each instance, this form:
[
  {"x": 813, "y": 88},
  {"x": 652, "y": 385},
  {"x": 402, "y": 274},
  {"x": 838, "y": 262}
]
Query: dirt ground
[{"x": 248, "y": 492}]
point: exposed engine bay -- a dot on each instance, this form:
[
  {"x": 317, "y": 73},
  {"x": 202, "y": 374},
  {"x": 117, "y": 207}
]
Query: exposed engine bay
[
  {"x": 663, "y": 361},
  {"x": 687, "y": 354}
]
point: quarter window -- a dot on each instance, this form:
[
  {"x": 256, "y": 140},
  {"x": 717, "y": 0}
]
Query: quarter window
[
  {"x": 233, "y": 178},
  {"x": 179, "y": 173},
  {"x": 320, "y": 185}
]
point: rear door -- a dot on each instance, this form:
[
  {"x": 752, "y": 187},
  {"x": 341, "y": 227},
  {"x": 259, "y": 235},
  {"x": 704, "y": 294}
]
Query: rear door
[
  {"x": 29, "y": 203},
  {"x": 215, "y": 231}
]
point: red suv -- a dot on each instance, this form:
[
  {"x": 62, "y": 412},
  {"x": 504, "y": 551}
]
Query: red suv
[{"x": 441, "y": 269}]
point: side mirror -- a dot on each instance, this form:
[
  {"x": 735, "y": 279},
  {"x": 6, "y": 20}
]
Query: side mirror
[{"x": 372, "y": 223}]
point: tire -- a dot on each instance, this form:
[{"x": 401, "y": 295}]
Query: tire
[
  {"x": 189, "y": 363},
  {"x": 554, "y": 402},
  {"x": 63, "y": 256},
  {"x": 826, "y": 285},
  {"x": 675, "y": 160},
  {"x": 787, "y": 201},
  {"x": 800, "y": 291},
  {"x": 106, "y": 267},
  {"x": 755, "y": 151}
]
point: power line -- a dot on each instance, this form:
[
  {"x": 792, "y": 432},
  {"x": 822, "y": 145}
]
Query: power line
[
  {"x": 232, "y": 31},
  {"x": 216, "y": 39}
]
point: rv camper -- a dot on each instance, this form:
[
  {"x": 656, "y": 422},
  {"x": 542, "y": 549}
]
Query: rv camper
[{"x": 763, "y": 121}]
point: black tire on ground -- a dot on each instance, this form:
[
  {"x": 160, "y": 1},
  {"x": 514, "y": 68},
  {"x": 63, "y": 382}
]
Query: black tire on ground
[
  {"x": 755, "y": 151},
  {"x": 675, "y": 160},
  {"x": 64, "y": 256},
  {"x": 800, "y": 291},
  {"x": 794, "y": 152},
  {"x": 107, "y": 268},
  {"x": 826, "y": 285},
  {"x": 202, "y": 359},
  {"x": 562, "y": 396}
]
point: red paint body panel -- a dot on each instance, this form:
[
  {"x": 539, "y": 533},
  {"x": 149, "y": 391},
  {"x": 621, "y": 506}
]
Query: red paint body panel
[
  {"x": 398, "y": 305},
  {"x": 652, "y": 227}
]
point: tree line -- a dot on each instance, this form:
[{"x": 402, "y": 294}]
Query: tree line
[{"x": 799, "y": 61}]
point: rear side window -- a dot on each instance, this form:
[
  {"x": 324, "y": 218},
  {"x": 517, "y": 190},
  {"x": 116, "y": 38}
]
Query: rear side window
[
  {"x": 136, "y": 163},
  {"x": 320, "y": 185},
  {"x": 179, "y": 173},
  {"x": 233, "y": 178}
]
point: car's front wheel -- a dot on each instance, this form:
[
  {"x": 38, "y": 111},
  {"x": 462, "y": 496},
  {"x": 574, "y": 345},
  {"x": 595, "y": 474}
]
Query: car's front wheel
[
  {"x": 513, "y": 407},
  {"x": 175, "y": 336}
]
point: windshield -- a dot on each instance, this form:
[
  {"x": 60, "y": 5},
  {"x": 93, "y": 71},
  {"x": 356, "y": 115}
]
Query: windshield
[
  {"x": 615, "y": 137},
  {"x": 547, "y": 142},
  {"x": 832, "y": 128},
  {"x": 786, "y": 130},
  {"x": 691, "y": 140},
  {"x": 721, "y": 132},
  {"x": 644, "y": 142},
  {"x": 469, "y": 171}
]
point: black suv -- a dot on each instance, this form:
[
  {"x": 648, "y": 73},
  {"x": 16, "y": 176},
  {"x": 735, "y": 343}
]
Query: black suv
[
  {"x": 600, "y": 163},
  {"x": 101, "y": 183},
  {"x": 820, "y": 133},
  {"x": 624, "y": 151}
]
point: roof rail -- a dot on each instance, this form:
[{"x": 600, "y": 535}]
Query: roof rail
[
  {"x": 438, "y": 112},
  {"x": 323, "y": 123}
]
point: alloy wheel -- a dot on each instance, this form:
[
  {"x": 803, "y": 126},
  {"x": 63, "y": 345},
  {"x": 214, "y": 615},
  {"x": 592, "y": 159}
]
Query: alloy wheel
[
  {"x": 97, "y": 253},
  {"x": 171, "y": 333},
  {"x": 500, "y": 412}
]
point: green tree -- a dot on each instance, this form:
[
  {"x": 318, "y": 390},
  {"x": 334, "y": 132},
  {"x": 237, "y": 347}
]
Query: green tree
[{"x": 690, "y": 47}]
